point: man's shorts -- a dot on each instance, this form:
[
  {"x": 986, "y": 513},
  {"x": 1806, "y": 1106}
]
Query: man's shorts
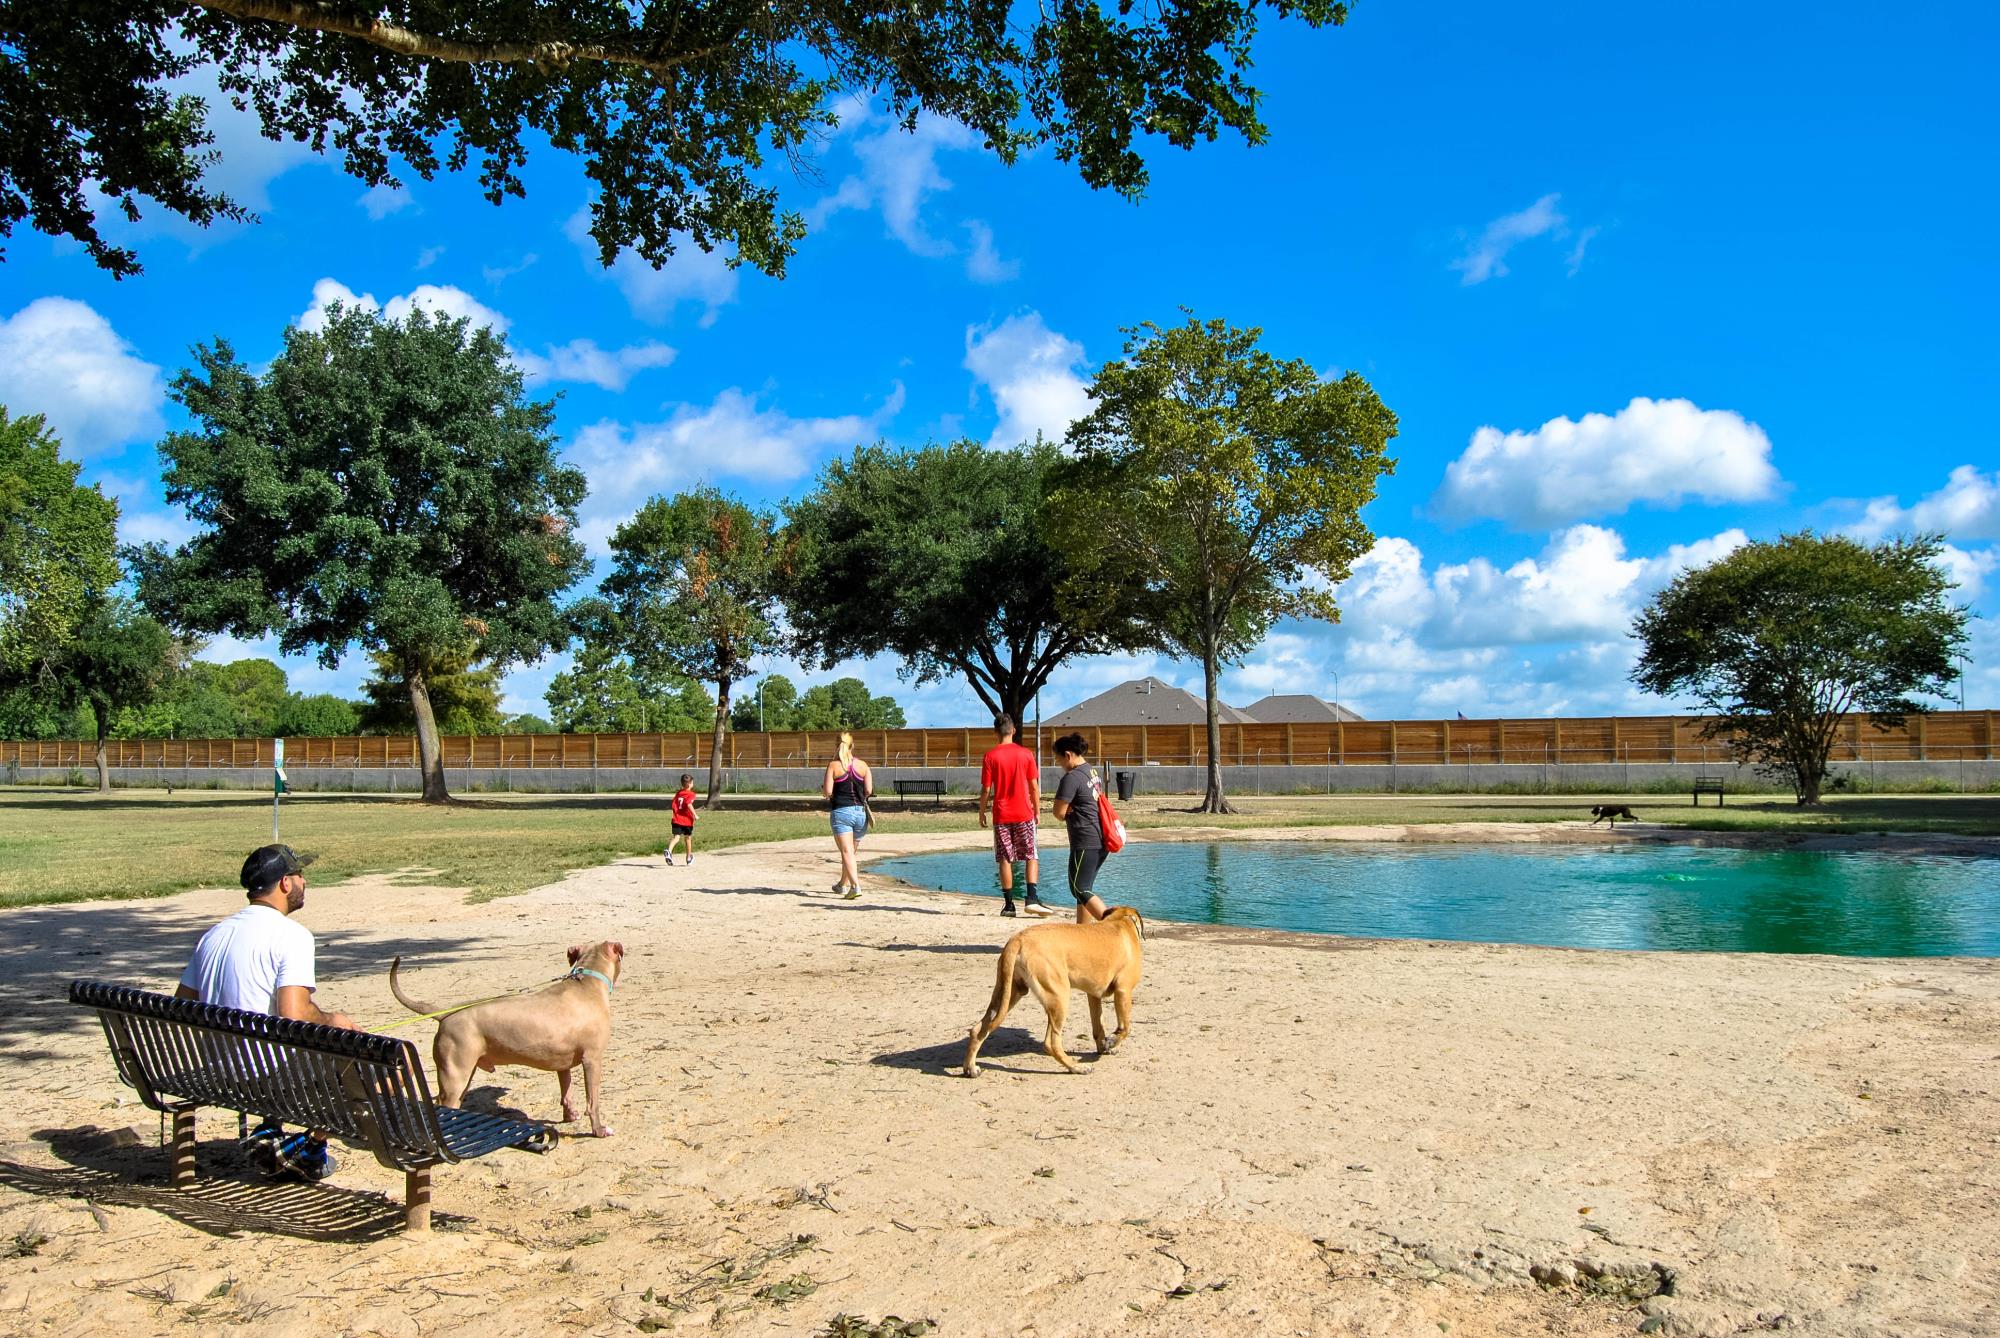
[
  {"x": 1014, "y": 841},
  {"x": 1084, "y": 863}
]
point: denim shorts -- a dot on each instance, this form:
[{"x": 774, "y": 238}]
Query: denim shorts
[{"x": 852, "y": 820}]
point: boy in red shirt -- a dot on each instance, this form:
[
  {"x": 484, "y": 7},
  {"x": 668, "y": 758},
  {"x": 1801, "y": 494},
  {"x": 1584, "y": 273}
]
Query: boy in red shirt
[
  {"x": 1010, "y": 787},
  {"x": 683, "y": 817}
]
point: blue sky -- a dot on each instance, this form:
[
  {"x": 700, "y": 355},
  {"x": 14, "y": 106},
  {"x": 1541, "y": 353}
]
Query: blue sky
[{"x": 1639, "y": 285}]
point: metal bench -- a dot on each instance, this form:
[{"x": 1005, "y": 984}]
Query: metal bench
[
  {"x": 180, "y": 1055},
  {"x": 1708, "y": 785},
  {"x": 919, "y": 785}
]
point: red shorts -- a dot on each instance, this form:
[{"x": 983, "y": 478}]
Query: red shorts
[{"x": 1013, "y": 841}]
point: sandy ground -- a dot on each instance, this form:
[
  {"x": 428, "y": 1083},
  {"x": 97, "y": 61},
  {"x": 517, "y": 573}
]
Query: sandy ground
[{"x": 1304, "y": 1135}]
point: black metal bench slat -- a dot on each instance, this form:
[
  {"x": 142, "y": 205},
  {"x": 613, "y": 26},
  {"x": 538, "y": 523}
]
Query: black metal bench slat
[{"x": 370, "y": 1089}]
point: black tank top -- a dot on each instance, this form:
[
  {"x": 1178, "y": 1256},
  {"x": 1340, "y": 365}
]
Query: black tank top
[{"x": 850, "y": 791}]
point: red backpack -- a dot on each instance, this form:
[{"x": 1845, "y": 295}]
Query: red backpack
[{"x": 1108, "y": 820}]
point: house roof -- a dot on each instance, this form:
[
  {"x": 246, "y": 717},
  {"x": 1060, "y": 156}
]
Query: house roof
[
  {"x": 1144, "y": 701},
  {"x": 1296, "y": 708}
]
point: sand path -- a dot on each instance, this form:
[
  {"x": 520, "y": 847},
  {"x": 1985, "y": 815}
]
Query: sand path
[{"x": 1303, "y": 1136}]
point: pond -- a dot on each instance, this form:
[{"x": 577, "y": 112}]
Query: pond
[{"x": 1684, "y": 898}]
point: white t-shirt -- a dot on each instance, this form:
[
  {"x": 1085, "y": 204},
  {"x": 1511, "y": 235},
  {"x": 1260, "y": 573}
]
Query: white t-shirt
[{"x": 243, "y": 961}]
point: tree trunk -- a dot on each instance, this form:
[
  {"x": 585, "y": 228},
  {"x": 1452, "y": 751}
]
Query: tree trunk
[
  {"x": 715, "y": 744},
  {"x": 1213, "y": 801},
  {"x": 430, "y": 755},
  {"x": 103, "y": 758}
]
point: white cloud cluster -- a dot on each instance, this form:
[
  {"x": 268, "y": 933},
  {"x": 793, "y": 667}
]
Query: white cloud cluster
[
  {"x": 1474, "y": 636},
  {"x": 1486, "y": 258},
  {"x": 899, "y": 175},
  {"x": 578, "y": 360},
  {"x": 1031, "y": 373},
  {"x": 582, "y": 360},
  {"x": 60, "y": 359},
  {"x": 378, "y": 202},
  {"x": 1967, "y": 508},
  {"x": 437, "y": 299},
  {"x": 732, "y": 437},
  {"x": 690, "y": 275},
  {"x": 1656, "y": 451}
]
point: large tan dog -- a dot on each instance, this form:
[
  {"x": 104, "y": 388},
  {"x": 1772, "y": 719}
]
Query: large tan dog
[
  {"x": 557, "y": 1028},
  {"x": 1101, "y": 958}
]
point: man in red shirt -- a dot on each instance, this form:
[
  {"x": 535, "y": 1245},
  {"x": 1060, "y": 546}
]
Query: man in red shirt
[{"x": 1010, "y": 789}]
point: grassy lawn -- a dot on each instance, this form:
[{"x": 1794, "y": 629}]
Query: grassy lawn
[{"x": 66, "y": 845}]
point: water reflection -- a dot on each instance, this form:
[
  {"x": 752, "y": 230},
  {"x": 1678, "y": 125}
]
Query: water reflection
[{"x": 1680, "y": 898}]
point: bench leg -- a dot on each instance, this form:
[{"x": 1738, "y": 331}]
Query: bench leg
[
  {"x": 417, "y": 1200},
  {"x": 181, "y": 1167}
]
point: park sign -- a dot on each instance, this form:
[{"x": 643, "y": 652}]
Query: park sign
[{"x": 278, "y": 785}]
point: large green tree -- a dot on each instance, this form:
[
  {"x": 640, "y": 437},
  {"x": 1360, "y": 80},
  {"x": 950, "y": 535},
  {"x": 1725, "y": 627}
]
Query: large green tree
[
  {"x": 674, "y": 107},
  {"x": 693, "y": 591},
  {"x": 383, "y": 484},
  {"x": 1779, "y": 641},
  {"x": 318, "y": 715},
  {"x": 58, "y": 545},
  {"x": 603, "y": 692},
  {"x": 772, "y": 706},
  {"x": 1229, "y": 484},
  {"x": 119, "y": 660},
  {"x": 944, "y": 558},
  {"x": 464, "y": 697},
  {"x": 846, "y": 703}
]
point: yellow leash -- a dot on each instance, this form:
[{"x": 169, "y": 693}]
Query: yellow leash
[{"x": 469, "y": 1003}]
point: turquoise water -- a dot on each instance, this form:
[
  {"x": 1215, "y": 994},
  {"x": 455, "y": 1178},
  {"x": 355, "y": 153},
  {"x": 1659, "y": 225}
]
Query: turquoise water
[{"x": 1650, "y": 897}]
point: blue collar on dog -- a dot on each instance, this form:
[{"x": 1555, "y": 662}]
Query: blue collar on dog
[{"x": 579, "y": 972}]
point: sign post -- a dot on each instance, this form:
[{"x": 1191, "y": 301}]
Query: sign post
[{"x": 277, "y": 782}]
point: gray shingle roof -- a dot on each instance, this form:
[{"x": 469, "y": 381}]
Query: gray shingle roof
[
  {"x": 1143, "y": 701},
  {"x": 1296, "y": 708}
]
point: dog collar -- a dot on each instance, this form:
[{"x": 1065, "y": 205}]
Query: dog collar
[{"x": 579, "y": 972}]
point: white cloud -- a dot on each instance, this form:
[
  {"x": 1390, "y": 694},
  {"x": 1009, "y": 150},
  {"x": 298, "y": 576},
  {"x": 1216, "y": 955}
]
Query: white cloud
[
  {"x": 1486, "y": 258},
  {"x": 733, "y": 437},
  {"x": 1030, "y": 371},
  {"x": 437, "y": 299},
  {"x": 381, "y": 201},
  {"x": 1657, "y": 451},
  {"x": 499, "y": 274},
  {"x": 1445, "y": 639},
  {"x": 984, "y": 265},
  {"x": 245, "y": 162},
  {"x": 60, "y": 359},
  {"x": 1966, "y": 508},
  {"x": 690, "y": 275},
  {"x": 583, "y": 360},
  {"x": 1575, "y": 260},
  {"x": 428, "y": 257},
  {"x": 1968, "y": 569}
]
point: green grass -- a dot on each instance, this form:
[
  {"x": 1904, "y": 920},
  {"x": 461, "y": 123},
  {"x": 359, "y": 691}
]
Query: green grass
[{"x": 58, "y": 845}]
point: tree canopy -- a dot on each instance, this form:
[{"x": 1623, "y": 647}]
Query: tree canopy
[
  {"x": 846, "y": 703},
  {"x": 382, "y": 484},
  {"x": 464, "y": 697},
  {"x": 692, "y": 592},
  {"x": 119, "y": 660},
  {"x": 1779, "y": 641},
  {"x": 58, "y": 545},
  {"x": 674, "y": 108},
  {"x": 603, "y": 692},
  {"x": 944, "y": 558},
  {"x": 1227, "y": 484}
]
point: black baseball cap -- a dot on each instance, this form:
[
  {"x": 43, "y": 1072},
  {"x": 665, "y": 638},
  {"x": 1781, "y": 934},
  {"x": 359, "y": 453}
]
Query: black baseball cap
[{"x": 267, "y": 864}]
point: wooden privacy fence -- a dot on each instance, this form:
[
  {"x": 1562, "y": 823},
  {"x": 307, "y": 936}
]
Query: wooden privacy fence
[{"x": 1944, "y": 736}]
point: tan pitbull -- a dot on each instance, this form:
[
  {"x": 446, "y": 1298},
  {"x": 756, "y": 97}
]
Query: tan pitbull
[
  {"x": 557, "y": 1028},
  {"x": 1101, "y": 958}
]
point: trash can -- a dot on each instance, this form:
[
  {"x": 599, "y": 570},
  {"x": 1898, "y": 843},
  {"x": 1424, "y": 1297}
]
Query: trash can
[{"x": 1125, "y": 779}]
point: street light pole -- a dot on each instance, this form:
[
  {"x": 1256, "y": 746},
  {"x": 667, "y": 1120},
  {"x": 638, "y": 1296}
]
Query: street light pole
[{"x": 1336, "y": 693}]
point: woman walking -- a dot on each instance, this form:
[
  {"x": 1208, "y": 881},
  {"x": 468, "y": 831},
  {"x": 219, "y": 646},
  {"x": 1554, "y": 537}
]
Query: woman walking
[
  {"x": 847, "y": 786},
  {"x": 1076, "y": 805}
]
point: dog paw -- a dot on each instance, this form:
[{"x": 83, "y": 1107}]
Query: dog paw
[
  {"x": 603, "y": 1131},
  {"x": 970, "y": 1070}
]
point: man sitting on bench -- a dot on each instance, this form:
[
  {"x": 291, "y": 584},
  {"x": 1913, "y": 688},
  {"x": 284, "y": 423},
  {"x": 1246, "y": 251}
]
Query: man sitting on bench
[{"x": 260, "y": 960}]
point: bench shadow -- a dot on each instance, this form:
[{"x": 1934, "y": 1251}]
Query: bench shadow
[
  {"x": 970, "y": 949},
  {"x": 229, "y": 1199}
]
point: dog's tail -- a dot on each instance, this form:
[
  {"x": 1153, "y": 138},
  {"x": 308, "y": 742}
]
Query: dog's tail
[
  {"x": 1006, "y": 978},
  {"x": 404, "y": 999}
]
